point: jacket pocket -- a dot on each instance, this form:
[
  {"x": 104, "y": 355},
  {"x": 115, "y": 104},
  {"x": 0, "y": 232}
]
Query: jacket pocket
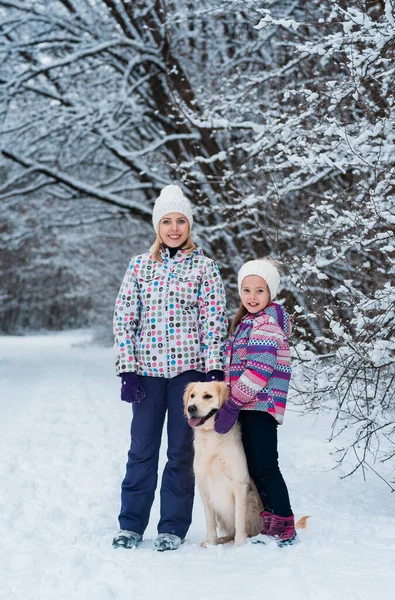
[
  {"x": 191, "y": 275},
  {"x": 186, "y": 286},
  {"x": 242, "y": 353},
  {"x": 147, "y": 273}
]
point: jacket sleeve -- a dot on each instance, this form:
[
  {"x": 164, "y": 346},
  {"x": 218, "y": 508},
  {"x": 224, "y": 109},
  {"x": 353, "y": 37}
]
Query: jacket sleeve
[
  {"x": 261, "y": 357},
  {"x": 213, "y": 323},
  {"x": 126, "y": 322}
]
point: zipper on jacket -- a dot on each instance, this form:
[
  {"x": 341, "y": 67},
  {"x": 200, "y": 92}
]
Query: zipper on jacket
[{"x": 167, "y": 318}]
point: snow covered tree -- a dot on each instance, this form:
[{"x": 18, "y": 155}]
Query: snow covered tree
[
  {"x": 336, "y": 159},
  {"x": 91, "y": 97}
]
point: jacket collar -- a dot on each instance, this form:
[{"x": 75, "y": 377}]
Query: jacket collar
[
  {"x": 261, "y": 313},
  {"x": 181, "y": 254},
  {"x": 272, "y": 311}
]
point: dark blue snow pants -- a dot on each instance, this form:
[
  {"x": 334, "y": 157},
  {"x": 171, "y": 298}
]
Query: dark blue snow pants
[
  {"x": 177, "y": 487},
  {"x": 259, "y": 436}
]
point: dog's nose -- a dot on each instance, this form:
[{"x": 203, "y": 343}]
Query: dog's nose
[{"x": 192, "y": 409}]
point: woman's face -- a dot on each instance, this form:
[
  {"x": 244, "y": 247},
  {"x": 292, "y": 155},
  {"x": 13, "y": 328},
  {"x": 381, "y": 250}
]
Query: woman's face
[{"x": 173, "y": 229}]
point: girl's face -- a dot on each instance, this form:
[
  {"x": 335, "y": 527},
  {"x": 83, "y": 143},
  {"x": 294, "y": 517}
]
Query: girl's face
[
  {"x": 255, "y": 294},
  {"x": 173, "y": 229}
]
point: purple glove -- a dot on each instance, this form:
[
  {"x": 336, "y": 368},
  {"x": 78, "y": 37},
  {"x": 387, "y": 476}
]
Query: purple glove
[
  {"x": 131, "y": 388},
  {"x": 215, "y": 375},
  {"x": 226, "y": 417}
]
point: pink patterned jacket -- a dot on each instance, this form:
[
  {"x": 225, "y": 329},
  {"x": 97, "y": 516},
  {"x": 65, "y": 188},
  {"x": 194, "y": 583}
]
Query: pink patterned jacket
[{"x": 258, "y": 361}]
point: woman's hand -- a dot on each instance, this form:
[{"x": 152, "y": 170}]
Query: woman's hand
[
  {"x": 131, "y": 388},
  {"x": 215, "y": 375}
]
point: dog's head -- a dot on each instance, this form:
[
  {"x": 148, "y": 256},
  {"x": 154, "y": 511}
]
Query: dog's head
[{"x": 201, "y": 402}]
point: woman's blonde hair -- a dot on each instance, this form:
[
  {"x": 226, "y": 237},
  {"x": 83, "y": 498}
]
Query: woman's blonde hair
[{"x": 189, "y": 246}]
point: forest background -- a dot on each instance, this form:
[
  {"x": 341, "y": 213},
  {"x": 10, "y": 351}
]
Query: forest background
[{"x": 276, "y": 118}]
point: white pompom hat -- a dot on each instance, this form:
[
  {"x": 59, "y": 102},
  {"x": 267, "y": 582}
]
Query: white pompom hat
[
  {"x": 171, "y": 200},
  {"x": 263, "y": 268}
]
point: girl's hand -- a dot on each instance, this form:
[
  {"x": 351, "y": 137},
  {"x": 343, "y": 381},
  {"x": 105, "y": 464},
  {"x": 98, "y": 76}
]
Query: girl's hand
[{"x": 226, "y": 417}]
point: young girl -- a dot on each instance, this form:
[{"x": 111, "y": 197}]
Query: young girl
[
  {"x": 258, "y": 373},
  {"x": 169, "y": 327}
]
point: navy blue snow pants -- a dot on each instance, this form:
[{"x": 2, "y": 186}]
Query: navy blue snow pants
[{"x": 177, "y": 487}]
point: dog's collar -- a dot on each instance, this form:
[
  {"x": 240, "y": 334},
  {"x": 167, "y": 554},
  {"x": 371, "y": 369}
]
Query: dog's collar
[{"x": 207, "y": 417}]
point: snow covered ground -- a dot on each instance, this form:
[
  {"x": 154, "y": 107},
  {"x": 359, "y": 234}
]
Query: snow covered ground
[{"x": 64, "y": 436}]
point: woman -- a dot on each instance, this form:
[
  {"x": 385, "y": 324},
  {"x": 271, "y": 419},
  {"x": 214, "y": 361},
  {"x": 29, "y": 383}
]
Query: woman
[{"x": 169, "y": 327}]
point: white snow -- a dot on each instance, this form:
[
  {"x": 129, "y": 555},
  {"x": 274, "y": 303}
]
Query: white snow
[{"x": 64, "y": 436}]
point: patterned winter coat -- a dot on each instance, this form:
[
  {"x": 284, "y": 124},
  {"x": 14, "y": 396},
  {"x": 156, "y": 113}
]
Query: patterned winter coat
[
  {"x": 170, "y": 316},
  {"x": 258, "y": 365}
]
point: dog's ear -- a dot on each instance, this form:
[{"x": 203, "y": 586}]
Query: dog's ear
[
  {"x": 187, "y": 393},
  {"x": 222, "y": 390}
]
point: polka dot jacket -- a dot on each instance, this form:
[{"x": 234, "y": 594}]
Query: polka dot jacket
[{"x": 170, "y": 316}]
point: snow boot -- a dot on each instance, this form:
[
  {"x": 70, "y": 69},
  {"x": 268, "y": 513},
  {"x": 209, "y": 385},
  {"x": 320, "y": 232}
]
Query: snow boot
[
  {"x": 282, "y": 529},
  {"x": 267, "y": 517},
  {"x": 126, "y": 539},
  {"x": 167, "y": 541},
  {"x": 261, "y": 538}
]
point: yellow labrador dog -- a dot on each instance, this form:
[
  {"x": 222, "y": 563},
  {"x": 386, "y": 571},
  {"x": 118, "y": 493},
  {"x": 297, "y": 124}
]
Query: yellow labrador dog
[{"x": 230, "y": 498}]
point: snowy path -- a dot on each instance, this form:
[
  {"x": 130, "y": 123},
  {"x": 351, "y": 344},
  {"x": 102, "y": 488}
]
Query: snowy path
[{"x": 64, "y": 436}]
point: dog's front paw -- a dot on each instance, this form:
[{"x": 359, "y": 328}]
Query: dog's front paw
[
  {"x": 239, "y": 542},
  {"x": 225, "y": 539},
  {"x": 209, "y": 542}
]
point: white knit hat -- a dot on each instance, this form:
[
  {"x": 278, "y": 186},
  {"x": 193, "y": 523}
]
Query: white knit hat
[
  {"x": 171, "y": 200},
  {"x": 263, "y": 268}
]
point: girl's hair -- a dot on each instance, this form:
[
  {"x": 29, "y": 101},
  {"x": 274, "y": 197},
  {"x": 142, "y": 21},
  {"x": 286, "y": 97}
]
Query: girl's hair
[
  {"x": 157, "y": 246},
  {"x": 241, "y": 312}
]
